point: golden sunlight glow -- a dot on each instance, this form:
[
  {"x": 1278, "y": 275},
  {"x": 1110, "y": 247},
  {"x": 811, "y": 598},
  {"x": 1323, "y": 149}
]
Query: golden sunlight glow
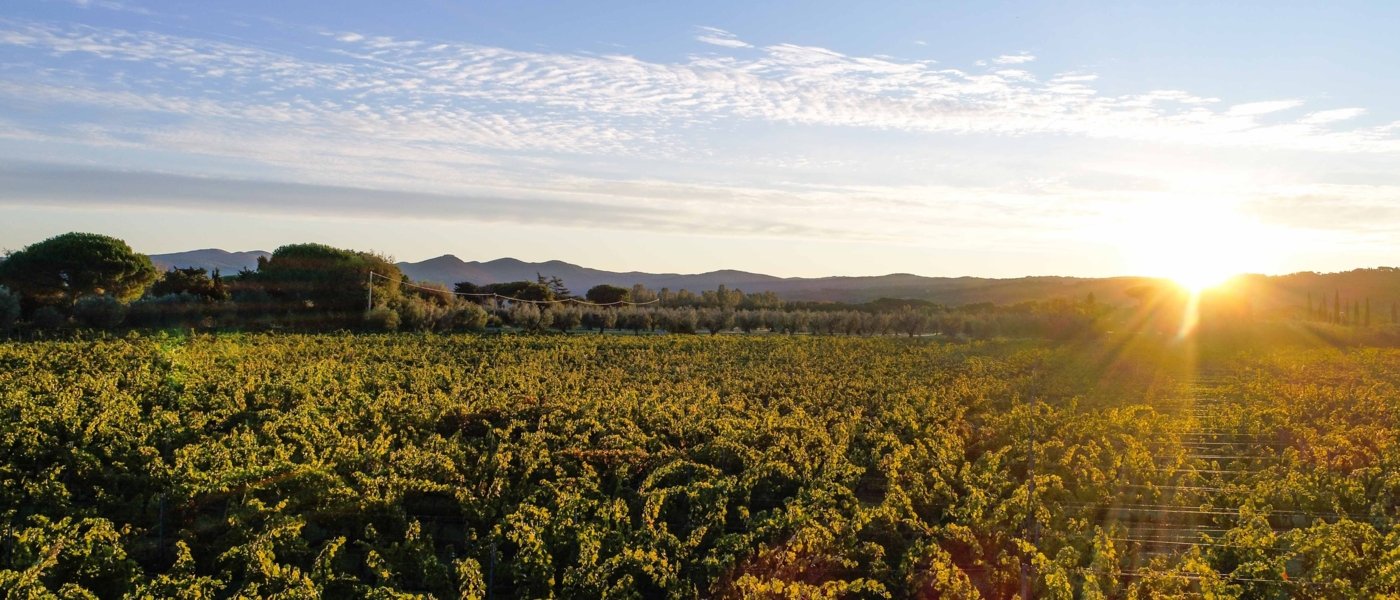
[
  {"x": 1197, "y": 244},
  {"x": 1198, "y": 241},
  {"x": 1197, "y": 274}
]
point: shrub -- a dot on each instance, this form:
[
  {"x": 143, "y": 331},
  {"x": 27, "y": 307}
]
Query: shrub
[
  {"x": 565, "y": 318},
  {"x": 9, "y": 308},
  {"x": 715, "y": 320},
  {"x": 529, "y": 317},
  {"x": 48, "y": 317},
  {"x": 680, "y": 320},
  {"x": 169, "y": 310},
  {"x": 99, "y": 312},
  {"x": 468, "y": 316},
  {"x": 415, "y": 314},
  {"x": 637, "y": 320},
  {"x": 382, "y": 319}
]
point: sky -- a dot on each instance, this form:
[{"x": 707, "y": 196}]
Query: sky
[{"x": 812, "y": 138}]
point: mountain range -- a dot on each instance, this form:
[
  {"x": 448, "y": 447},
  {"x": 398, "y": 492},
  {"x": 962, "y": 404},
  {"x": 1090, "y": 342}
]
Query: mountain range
[
  {"x": 210, "y": 259},
  {"x": 1380, "y": 285},
  {"x": 449, "y": 269}
]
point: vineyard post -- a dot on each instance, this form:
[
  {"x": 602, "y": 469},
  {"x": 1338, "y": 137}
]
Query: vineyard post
[
  {"x": 491, "y": 570},
  {"x": 1032, "y": 526},
  {"x": 160, "y": 529}
]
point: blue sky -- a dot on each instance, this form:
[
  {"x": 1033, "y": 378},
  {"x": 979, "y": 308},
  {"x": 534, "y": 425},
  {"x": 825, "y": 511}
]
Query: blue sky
[{"x": 801, "y": 138}]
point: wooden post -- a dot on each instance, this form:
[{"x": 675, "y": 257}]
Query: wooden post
[{"x": 1031, "y": 525}]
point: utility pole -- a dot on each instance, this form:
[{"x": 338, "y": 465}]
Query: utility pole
[{"x": 369, "y": 289}]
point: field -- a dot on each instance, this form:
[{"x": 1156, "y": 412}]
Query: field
[{"x": 688, "y": 466}]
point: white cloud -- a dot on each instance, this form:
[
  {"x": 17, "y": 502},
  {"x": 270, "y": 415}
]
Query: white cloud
[
  {"x": 1014, "y": 74},
  {"x": 413, "y": 89},
  {"x": 1074, "y": 78},
  {"x": 1263, "y": 108},
  {"x": 1323, "y": 117},
  {"x": 110, "y": 5},
  {"x": 457, "y": 120},
  {"x": 1014, "y": 59},
  {"x": 720, "y": 37}
]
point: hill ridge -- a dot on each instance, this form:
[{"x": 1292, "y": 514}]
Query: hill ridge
[{"x": 1382, "y": 284}]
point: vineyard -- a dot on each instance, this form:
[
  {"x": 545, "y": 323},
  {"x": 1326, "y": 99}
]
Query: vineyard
[{"x": 583, "y": 466}]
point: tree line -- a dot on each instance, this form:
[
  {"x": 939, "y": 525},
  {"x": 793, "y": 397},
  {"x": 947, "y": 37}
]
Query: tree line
[{"x": 96, "y": 282}]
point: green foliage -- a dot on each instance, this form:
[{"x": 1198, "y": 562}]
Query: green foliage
[
  {"x": 603, "y": 318},
  {"x": 607, "y": 294},
  {"x": 418, "y": 314},
  {"x": 182, "y": 311},
  {"x": 48, "y": 318},
  {"x": 9, "y": 309},
  {"x": 193, "y": 282},
  {"x": 565, "y": 317},
  {"x": 678, "y": 320},
  {"x": 910, "y": 322},
  {"x": 520, "y": 290},
  {"x": 635, "y": 320},
  {"x": 317, "y": 286},
  {"x": 382, "y": 319},
  {"x": 529, "y": 317},
  {"x": 414, "y": 313},
  {"x": 74, "y": 556},
  {"x": 467, "y": 316},
  {"x": 99, "y": 312},
  {"x": 60, "y": 270},
  {"x": 715, "y": 320},
  {"x": 261, "y": 465}
]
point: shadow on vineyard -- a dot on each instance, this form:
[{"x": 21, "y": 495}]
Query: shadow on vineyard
[{"x": 469, "y": 466}]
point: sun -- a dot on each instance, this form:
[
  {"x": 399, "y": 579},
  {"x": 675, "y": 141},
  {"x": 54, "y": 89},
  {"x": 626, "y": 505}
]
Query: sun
[
  {"x": 1196, "y": 266},
  {"x": 1198, "y": 245},
  {"x": 1198, "y": 280}
]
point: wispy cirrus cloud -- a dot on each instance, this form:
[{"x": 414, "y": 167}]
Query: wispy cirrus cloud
[
  {"x": 110, "y": 5},
  {"x": 394, "y": 83},
  {"x": 719, "y": 37},
  {"x": 1251, "y": 109},
  {"x": 1324, "y": 117},
  {"x": 1014, "y": 59},
  {"x": 487, "y": 126}
]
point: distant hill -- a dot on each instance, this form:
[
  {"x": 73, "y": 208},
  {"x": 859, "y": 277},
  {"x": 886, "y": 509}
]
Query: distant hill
[
  {"x": 1379, "y": 286},
  {"x": 450, "y": 269},
  {"x": 228, "y": 263},
  {"x": 949, "y": 290}
]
